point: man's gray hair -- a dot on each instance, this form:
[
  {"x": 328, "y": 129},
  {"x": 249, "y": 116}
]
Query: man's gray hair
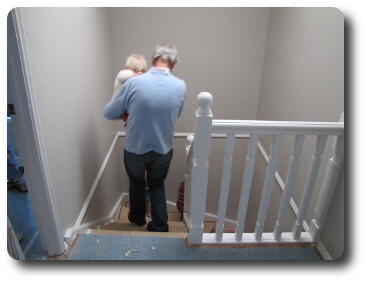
[{"x": 166, "y": 52}]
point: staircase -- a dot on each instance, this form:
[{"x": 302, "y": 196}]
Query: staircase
[
  {"x": 200, "y": 232},
  {"x": 122, "y": 226},
  {"x": 121, "y": 240}
]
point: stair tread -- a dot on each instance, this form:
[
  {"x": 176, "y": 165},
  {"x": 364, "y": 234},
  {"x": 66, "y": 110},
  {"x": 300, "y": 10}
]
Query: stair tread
[
  {"x": 126, "y": 226},
  {"x": 123, "y": 225},
  {"x": 124, "y": 211},
  {"x": 138, "y": 233},
  {"x": 209, "y": 226}
]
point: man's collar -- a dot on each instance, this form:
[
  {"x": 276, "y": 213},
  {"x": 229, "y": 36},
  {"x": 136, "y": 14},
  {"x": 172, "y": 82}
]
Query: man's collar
[{"x": 160, "y": 70}]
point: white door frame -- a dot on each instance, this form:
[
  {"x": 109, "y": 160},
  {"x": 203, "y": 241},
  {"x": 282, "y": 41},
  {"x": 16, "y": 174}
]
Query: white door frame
[{"x": 29, "y": 138}]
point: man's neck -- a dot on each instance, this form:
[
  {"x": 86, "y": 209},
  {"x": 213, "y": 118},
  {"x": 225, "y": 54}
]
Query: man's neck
[{"x": 161, "y": 64}]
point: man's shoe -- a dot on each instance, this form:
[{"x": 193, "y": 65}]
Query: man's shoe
[
  {"x": 137, "y": 223},
  {"x": 151, "y": 229}
]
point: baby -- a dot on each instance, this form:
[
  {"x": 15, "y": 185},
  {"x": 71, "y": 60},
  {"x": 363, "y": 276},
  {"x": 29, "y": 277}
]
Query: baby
[{"x": 135, "y": 65}]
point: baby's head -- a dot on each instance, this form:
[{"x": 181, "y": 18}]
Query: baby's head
[{"x": 136, "y": 63}]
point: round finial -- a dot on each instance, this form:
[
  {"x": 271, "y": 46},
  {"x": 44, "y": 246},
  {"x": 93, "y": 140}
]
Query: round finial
[{"x": 204, "y": 100}]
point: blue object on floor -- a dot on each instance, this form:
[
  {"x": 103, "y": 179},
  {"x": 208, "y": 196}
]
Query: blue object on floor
[{"x": 123, "y": 247}]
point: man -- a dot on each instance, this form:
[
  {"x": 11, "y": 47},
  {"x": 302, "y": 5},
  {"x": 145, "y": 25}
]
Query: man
[{"x": 154, "y": 101}]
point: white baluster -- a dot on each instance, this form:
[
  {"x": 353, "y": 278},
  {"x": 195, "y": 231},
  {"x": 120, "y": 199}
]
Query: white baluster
[
  {"x": 309, "y": 185},
  {"x": 224, "y": 188},
  {"x": 268, "y": 187},
  {"x": 199, "y": 176},
  {"x": 329, "y": 182},
  {"x": 248, "y": 173},
  {"x": 189, "y": 141},
  {"x": 188, "y": 170},
  {"x": 289, "y": 185}
]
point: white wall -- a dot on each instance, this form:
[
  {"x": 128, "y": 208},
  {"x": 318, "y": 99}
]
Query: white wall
[
  {"x": 221, "y": 50},
  {"x": 303, "y": 80},
  {"x": 71, "y": 65}
]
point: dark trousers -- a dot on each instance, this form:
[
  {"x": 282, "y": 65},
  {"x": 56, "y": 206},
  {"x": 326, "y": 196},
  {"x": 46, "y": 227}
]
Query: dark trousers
[{"x": 156, "y": 165}]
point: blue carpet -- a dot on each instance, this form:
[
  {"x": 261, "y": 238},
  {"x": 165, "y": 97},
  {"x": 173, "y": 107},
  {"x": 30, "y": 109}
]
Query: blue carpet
[
  {"x": 20, "y": 213},
  {"x": 36, "y": 252},
  {"x": 117, "y": 247}
]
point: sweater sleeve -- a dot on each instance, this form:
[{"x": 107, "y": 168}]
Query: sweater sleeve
[{"x": 120, "y": 103}]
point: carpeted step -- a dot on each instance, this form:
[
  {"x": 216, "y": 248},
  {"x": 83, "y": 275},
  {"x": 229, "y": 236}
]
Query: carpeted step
[
  {"x": 181, "y": 235},
  {"x": 124, "y": 211},
  {"x": 173, "y": 227},
  {"x": 174, "y": 216},
  {"x": 209, "y": 226},
  {"x": 122, "y": 217}
]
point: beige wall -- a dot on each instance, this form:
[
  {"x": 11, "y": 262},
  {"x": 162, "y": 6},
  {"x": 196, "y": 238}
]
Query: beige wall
[
  {"x": 259, "y": 63},
  {"x": 303, "y": 80},
  {"x": 221, "y": 50},
  {"x": 71, "y": 65},
  {"x": 74, "y": 55}
]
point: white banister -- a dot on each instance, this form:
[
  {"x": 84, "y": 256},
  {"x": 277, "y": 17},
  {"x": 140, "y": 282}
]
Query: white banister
[
  {"x": 268, "y": 187},
  {"x": 199, "y": 181},
  {"x": 224, "y": 188},
  {"x": 289, "y": 185},
  {"x": 329, "y": 182},
  {"x": 248, "y": 173},
  {"x": 196, "y": 177},
  {"x": 309, "y": 185},
  {"x": 277, "y": 127}
]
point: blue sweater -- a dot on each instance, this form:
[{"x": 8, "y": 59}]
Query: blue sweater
[{"x": 154, "y": 101}]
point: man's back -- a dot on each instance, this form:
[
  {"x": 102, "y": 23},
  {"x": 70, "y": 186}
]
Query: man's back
[{"x": 153, "y": 100}]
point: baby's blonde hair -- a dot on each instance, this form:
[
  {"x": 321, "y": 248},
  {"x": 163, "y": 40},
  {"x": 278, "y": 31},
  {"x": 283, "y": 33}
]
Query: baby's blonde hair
[{"x": 136, "y": 63}]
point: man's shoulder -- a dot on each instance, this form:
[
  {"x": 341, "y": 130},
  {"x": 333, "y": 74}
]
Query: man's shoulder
[
  {"x": 147, "y": 77},
  {"x": 178, "y": 81},
  {"x": 136, "y": 80},
  {"x": 137, "y": 77}
]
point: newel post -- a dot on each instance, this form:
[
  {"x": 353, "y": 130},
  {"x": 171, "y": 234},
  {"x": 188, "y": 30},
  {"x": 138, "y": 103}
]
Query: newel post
[
  {"x": 329, "y": 182},
  {"x": 200, "y": 167}
]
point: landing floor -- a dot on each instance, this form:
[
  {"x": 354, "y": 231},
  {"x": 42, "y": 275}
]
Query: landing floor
[
  {"x": 123, "y": 247},
  {"x": 20, "y": 213}
]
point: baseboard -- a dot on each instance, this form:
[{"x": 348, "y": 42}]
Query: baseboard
[
  {"x": 73, "y": 231},
  {"x": 323, "y": 252}
]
